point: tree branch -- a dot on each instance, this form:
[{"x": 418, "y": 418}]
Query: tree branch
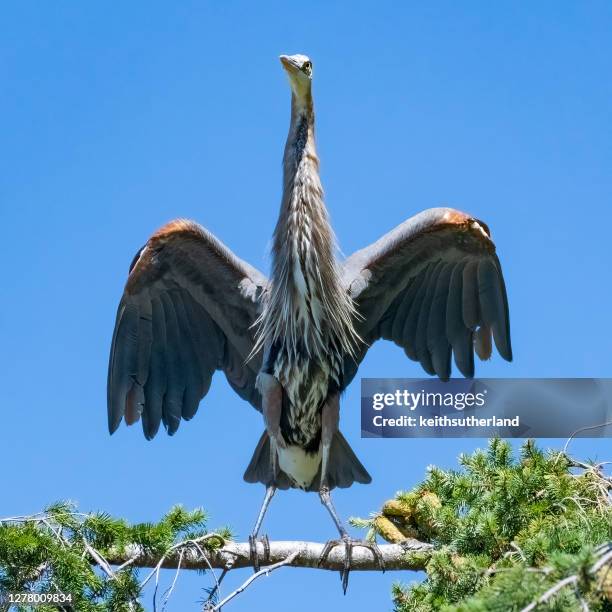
[
  {"x": 407, "y": 555},
  {"x": 264, "y": 571}
]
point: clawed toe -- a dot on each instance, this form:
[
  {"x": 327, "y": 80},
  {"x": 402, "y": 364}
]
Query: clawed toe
[
  {"x": 349, "y": 544},
  {"x": 254, "y": 555},
  {"x": 373, "y": 548}
]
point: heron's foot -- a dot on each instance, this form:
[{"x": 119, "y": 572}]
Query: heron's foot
[
  {"x": 350, "y": 543},
  {"x": 254, "y": 555}
]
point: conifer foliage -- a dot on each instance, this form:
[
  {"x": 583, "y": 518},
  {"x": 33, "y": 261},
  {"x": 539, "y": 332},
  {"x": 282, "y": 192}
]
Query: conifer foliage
[
  {"x": 61, "y": 550},
  {"x": 506, "y": 530}
]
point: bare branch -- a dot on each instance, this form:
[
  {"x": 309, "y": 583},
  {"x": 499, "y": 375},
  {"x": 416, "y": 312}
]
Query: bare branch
[
  {"x": 172, "y": 552},
  {"x": 580, "y": 430},
  {"x": 99, "y": 559},
  {"x": 178, "y": 569},
  {"x": 552, "y": 591},
  {"x": 261, "y": 572},
  {"x": 407, "y": 555},
  {"x": 605, "y": 558}
]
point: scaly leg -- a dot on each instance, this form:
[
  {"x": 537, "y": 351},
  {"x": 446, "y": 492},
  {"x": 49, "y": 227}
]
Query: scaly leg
[
  {"x": 329, "y": 423},
  {"x": 272, "y": 398},
  {"x": 270, "y": 491}
]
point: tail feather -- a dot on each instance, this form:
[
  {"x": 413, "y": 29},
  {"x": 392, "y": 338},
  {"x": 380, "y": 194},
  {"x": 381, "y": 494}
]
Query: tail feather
[
  {"x": 257, "y": 470},
  {"x": 344, "y": 467},
  {"x": 343, "y": 470},
  {"x": 260, "y": 466}
]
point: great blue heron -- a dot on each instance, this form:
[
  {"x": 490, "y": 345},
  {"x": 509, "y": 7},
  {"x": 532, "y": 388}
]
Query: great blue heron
[{"x": 290, "y": 345}]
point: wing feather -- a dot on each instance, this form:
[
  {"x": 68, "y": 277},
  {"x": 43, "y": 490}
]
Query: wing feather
[
  {"x": 437, "y": 341},
  {"x": 434, "y": 286},
  {"x": 409, "y": 329},
  {"x": 459, "y": 336},
  {"x": 192, "y": 366},
  {"x": 422, "y": 350},
  {"x": 471, "y": 311},
  {"x": 493, "y": 305},
  {"x": 175, "y": 368},
  {"x": 405, "y": 300},
  {"x": 482, "y": 342},
  {"x": 155, "y": 388},
  {"x": 145, "y": 341},
  {"x": 124, "y": 360},
  {"x": 188, "y": 309}
]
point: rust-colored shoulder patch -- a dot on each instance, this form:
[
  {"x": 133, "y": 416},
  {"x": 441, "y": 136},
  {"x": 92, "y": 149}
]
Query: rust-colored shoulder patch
[
  {"x": 178, "y": 226},
  {"x": 143, "y": 264},
  {"x": 455, "y": 217}
]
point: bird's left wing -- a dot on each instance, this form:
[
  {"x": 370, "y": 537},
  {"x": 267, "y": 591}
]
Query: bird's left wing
[
  {"x": 434, "y": 286},
  {"x": 187, "y": 310}
]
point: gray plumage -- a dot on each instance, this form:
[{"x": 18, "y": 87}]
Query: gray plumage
[
  {"x": 187, "y": 311},
  {"x": 290, "y": 345}
]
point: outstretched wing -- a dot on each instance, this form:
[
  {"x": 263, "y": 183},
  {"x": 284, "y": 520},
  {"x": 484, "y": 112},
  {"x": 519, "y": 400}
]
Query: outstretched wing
[
  {"x": 187, "y": 310},
  {"x": 434, "y": 286}
]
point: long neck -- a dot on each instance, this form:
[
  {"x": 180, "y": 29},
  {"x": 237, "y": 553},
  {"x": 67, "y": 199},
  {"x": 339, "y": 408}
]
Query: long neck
[
  {"x": 300, "y": 156},
  {"x": 303, "y": 230},
  {"x": 308, "y": 308}
]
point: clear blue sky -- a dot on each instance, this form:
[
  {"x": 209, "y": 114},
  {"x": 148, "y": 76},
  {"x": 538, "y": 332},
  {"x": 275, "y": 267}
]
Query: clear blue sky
[{"x": 117, "y": 117}]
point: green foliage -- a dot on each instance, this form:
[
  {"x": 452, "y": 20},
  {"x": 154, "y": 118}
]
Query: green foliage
[
  {"x": 505, "y": 531},
  {"x": 55, "y": 551}
]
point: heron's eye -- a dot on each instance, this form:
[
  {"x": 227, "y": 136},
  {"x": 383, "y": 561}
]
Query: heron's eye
[{"x": 307, "y": 67}]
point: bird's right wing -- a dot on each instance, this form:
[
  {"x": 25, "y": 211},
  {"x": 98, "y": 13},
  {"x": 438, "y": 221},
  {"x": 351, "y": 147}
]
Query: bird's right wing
[
  {"x": 188, "y": 309},
  {"x": 434, "y": 286}
]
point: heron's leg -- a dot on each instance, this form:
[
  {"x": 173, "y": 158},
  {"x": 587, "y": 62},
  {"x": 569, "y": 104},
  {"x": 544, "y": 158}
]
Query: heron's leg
[
  {"x": 270, "y": 491},
  {"x": 329, "y": 426},
  {"x": 272, "y": 398}
]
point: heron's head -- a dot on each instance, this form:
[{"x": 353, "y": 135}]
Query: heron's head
[{"x": 299, "y": 70}]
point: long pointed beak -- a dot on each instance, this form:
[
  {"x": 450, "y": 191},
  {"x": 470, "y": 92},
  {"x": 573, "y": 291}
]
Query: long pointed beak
[{"x": 288, "y": 63}]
